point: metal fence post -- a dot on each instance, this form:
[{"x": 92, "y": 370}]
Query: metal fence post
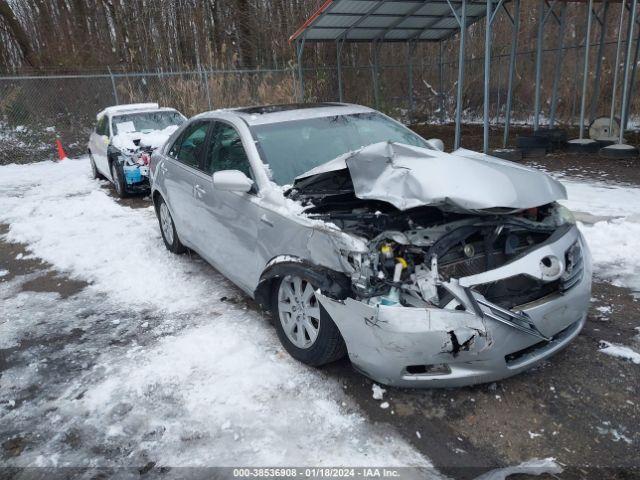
[
  {"x": 410, "y": 52},
  {"x": 206, "y": 86},
  {"x": 113, "y": 86},
  {"x": 339, "y": 44},
  {"x": 300, "y": 50},
  {"x": 375, "y": 73}
]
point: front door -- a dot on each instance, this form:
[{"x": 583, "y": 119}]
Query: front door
[{"x": 229, "y": 220}]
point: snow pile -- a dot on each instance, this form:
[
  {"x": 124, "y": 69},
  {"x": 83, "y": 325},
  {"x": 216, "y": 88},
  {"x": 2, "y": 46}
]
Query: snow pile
[
  {"x": 153, "y": 139},
  {"x": 377, "y": 391},
  {"x": 614, "y": 238},
  {"x": 162, "y": 369},
  {"x": 620, "y": 351}
]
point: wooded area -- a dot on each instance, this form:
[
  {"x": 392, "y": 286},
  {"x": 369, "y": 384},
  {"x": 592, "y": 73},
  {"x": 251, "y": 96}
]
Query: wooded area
[{"x": 45, "y": 34}]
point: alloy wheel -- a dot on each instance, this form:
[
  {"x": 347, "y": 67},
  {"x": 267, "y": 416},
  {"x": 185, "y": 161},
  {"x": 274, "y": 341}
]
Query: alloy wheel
[
  {"x": 166, "y": 223},
  {"x": 299, "y": 311}
]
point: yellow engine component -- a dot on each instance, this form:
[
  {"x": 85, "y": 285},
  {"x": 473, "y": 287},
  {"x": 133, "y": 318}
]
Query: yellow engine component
[{"x": 402, "y": 261}]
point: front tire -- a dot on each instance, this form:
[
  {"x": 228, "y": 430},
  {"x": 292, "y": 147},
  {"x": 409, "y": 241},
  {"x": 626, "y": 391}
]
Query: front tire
[
  {"x": 118, "y": 180},
  {"x": 304, "y": 328},
  {"x": 168, "y": 229},
  {"x": 94, "y": 170}
]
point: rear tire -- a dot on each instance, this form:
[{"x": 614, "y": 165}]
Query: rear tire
[
  {"x": 118, "y": 180},
  {"x": 168, "y": 229},
  {"x": 304, "y": 328}
]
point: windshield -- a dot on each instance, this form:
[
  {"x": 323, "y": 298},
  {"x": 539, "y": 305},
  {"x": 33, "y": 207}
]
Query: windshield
[
  {"x": 145, "y": 122},
  {"x": 295, "y": 147}
]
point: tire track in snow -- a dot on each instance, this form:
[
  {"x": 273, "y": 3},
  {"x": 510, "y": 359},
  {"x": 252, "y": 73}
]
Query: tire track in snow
[{"x": 218, "y": 390}]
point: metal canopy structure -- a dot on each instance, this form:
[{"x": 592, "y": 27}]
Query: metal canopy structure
[
  {"x": 408, "y": 21},
  {"x": 387, "y": 20},
  {"x": 412, "y": 21}
]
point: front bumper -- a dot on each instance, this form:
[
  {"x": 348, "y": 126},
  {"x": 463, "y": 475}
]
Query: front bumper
[{"x": 432, "y": 347}]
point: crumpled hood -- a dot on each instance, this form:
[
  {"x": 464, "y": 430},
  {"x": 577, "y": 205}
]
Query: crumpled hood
[
  {"x": 409, "y": 177},
  {"x": 153, "y": 139}
]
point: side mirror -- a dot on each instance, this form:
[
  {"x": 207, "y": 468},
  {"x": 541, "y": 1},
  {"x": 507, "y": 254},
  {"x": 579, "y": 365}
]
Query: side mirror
[
  {"x": 436, "y": 143},
  {"x": 232, "y": 181}
]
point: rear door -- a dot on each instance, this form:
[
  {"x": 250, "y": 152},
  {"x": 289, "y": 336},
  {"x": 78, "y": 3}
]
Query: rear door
[
  {"x": 227, "y": 221},
  {"x": 180, "y": 169}
]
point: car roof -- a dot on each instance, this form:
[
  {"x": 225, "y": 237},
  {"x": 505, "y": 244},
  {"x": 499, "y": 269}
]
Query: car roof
[{"x": 265, "y": 114}]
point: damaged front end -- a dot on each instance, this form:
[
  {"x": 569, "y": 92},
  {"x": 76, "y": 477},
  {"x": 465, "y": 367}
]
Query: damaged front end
[
  {"x": 134, "y": 163},
  {"x": 450, "y": 296}
]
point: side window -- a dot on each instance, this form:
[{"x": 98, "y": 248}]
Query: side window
[
  {"x": 101, "y": 127},
  {"x": 190, "y": 144},
  {"x": 225, "y": 151},
  {"x": 175, "y": 148}
]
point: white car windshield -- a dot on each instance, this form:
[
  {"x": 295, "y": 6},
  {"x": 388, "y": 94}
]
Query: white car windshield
[
  {"x": 295, "y": 147},
  {"x": 145, "y": 121}
]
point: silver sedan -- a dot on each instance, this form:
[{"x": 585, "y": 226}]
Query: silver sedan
[{"x": 427, "y": 269}]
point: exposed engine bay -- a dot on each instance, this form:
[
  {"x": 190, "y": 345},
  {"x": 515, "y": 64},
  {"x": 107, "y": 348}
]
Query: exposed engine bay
[
  {"x": 135, "y": 163},
  {"x": 414, "y": 252}
]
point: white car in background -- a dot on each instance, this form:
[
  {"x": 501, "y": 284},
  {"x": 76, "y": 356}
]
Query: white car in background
[{"x": 123, "y": 140}]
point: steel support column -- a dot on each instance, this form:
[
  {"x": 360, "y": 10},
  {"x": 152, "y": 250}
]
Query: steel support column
[
  {"x": 441, "y": 82},
  {"x": 616, "y": 68},
  {"x": 538, "y": 79},
  {"x": 633, "y": 78},
  {"x": 585, "y": 70},
  {"x": 625, "y": 89},
  {"x": 512, "y": 69},
  {"x": 487, "y": 77},
  {"x": 558, "y": 66},
  {"x": 595, "y": 96},
  {"x": 462, "y": 21}
]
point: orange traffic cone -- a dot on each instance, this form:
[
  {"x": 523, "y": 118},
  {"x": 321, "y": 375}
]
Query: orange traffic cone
[{"x": 61, "y": 154}]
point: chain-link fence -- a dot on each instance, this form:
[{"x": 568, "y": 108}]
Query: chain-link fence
[{"x": 36, "y": 110}]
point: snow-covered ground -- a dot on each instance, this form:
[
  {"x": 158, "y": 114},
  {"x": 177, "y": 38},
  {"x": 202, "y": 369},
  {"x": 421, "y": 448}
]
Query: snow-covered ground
[
  {"x": 167, "y": 371},
  {"x": 612, "y": 228}
]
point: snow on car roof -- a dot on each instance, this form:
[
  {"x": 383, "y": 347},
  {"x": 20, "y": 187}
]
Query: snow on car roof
[{"x": 130, "y": 108}]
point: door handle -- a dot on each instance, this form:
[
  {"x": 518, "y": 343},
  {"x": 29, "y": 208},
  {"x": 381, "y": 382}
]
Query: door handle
[
  {"x": 264, "y": 219},
  {"x": 163, "y": 169},
  {"x": 198, "y": 191}
]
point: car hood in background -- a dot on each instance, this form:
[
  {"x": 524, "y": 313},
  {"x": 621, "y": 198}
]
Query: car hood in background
[{"x": 408, "y": 177}]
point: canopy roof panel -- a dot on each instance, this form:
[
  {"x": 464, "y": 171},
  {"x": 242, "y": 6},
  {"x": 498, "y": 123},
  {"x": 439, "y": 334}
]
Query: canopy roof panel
[{"x": 387, "y": 20}]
